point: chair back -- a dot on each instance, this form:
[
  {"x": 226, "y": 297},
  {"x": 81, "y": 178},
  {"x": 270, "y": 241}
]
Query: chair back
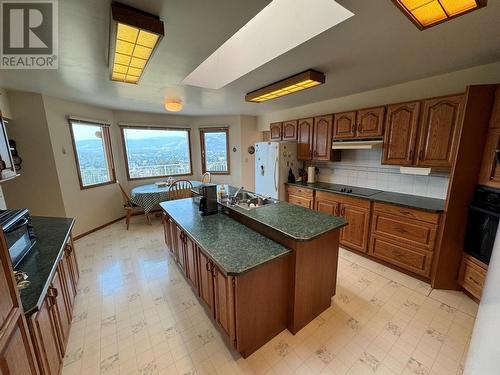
[
  {"x": 206, "y": 178},
  {"x": 126, "y": 199},
  {"x": 180, "y": 189}
]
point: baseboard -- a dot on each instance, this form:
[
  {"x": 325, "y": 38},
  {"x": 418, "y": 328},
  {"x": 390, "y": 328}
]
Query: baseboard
[{"x": 97, "y": 228}]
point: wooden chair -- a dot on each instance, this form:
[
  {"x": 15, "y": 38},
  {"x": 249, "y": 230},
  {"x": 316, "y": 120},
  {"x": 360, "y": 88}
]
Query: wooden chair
[
  {"x": 180, "y": 189},
  {"x": 206, "y": 178},
  {"x": 130, "y": 207}
]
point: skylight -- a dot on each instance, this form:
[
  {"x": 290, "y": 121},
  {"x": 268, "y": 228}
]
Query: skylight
[{"x": 278, "y": 28}]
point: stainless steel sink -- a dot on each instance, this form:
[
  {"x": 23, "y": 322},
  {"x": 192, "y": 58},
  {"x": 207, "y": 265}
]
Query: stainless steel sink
[{"x": 249, "y": 201}]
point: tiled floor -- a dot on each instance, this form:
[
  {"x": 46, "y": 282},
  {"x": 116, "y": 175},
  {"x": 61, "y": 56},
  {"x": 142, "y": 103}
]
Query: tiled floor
[{"x": 135, "y": 314}]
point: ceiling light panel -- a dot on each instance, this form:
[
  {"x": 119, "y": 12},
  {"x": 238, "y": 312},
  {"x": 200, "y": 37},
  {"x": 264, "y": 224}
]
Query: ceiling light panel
[
  {"x": 136, "y": 36},
  {"x": 263, "y": 39},
  {"x": 298, "y": 82},
  {"x": 427, "y": 13}
]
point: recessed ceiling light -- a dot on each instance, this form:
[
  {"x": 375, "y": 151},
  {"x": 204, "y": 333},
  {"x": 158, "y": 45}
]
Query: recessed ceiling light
[
  {"x": 133, "y": 39},
  {"x": 298, "y": 82},
  {"x": 427, "y": 13}
]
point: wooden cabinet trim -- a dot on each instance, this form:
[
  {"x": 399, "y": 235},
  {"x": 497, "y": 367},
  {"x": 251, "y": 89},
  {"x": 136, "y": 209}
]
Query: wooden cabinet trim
[
  {"x": 370, "y": 122},
  {"x": 275, "y": 129},
  {"x": 322, "y": 137},
  {"x": 305, "y": 130},
  {"x": 289, "y": 130},
  {"x": 406, "y": 212},
  {"x": 344, "y": 125}
]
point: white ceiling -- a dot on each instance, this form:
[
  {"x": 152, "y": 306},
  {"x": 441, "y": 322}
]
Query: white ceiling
[{"x": 377, "y": 47}]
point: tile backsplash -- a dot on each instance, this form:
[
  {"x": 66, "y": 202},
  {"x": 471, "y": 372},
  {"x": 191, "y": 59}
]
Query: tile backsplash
[{"x": 363, "y": 168}]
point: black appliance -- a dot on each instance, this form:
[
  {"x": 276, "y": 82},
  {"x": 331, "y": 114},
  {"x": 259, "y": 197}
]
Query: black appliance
[
  {"x": 482, "y": 223},
  {"x": 208, "y": 200},
  {"x": 18, "y": 233},
  {"x": 364, "y": 192}
]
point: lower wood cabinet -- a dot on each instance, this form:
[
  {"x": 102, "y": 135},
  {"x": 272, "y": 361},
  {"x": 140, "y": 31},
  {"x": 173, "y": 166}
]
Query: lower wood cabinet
[
  {"x": 300, "y": 196},
  {"x": 472, "y": 276},
  {"x": 205, "y": 285},
  {"x": 404, "y": 237},
  {"x": 191, "y": 261},
  {"x": 223, "y": 302}
]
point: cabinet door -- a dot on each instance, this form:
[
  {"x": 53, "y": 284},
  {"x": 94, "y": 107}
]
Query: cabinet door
[
  {"x": 439, "y": 131},
  {"x": 344, "y": 125},
  {"x": 401, "y": 133},
  {"x": 304, "y": 139},
  {"x": 166, "y": 232},
  {"x": 489, "y": 174},
  {"x": 327, "y": 206},
  {"x": 191, "y": 263},
  {"x": 71, "y": 272},
  {"x": 322, "y": 139},
  {"x": 370, "y": 122},
  {"x": 495, "y": 114},
  {"x": 224, "y": 312},
  {"x": 355, "y": 234},
  {"x": 289, "y": 130},
  {"x": 60, "y": 309},
  {"x": 206, "y": 287},
  {"x": 181, "y": 252},
  {"x": 16, "y": 357},
  {"x": 300, "y": 201},
  {"x": 44, "y": 331},
  {"x": 275, "y": 129}
]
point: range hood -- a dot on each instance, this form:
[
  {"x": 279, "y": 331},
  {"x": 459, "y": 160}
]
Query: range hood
[{"x": 358, "y": 144}]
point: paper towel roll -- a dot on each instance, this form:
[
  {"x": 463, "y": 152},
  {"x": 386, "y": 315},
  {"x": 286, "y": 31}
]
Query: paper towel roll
[{"x": 311, "y": 175}]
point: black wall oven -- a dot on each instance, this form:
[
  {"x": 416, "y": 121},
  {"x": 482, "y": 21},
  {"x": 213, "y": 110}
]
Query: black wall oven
[
  {"x": 482, "y": 224},
  {"x": 18, "y": 233}
]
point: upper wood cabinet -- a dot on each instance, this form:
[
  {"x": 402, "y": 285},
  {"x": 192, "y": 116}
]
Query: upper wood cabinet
[
  {"x": 365, "y": 123},
  {"x": 344, "y": 125},
  {"x": 439, "y": 131},
  {"x": 370, "y": 122},
  {"x": 305, "y": 130},
  {"x": 489, "y": 175},
  {"x": 289, "y": 130},
  {"x": 275, "y": 129},
  {"x": 495, "y": 115},
  {"x": 400, "y": 137},
  {"x": 322, "y": 137}
]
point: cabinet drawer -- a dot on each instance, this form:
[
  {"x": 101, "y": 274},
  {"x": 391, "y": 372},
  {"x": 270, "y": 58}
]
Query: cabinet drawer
[
  {"x": 302, "y": 192},
  {"x": 472, "y": 276},
  {"x": 407, "y": 212},
  {"x": 300, "y": 201},
  {"x": 409, "y": 232},
  {"x": 413, "y": 260}
]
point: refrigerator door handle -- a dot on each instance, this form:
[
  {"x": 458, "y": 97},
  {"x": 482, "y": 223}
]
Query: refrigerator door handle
[{"x": 275, "y": 170}]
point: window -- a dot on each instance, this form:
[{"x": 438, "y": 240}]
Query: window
[
  {"x": 156, "y": 152},
  {"x": 92, "y": 147},
  {"x": 215, "y": 150}
]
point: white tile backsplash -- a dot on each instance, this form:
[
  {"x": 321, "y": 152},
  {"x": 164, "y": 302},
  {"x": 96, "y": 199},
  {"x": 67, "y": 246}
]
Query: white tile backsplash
[{"x": 363, "y": 168}]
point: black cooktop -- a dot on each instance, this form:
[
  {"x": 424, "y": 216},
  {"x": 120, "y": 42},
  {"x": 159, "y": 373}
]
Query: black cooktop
[{"x": 364, "y": 192}]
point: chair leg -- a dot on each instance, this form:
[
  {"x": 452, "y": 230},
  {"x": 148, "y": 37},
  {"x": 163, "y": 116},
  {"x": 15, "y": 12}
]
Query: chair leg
[
  {"x": 127, "y": 220},
  {"x": 148, "y": 219}
]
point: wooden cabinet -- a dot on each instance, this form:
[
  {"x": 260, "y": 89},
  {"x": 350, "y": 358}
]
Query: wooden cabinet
[
  {"x": 489, "y": 174},
  {"x": 322, "y": 138},
  {"x": 289, "y": 130},
  {"x": 439, "y": 131},
  {"x": 275, "y": 130},
  {"x": 180, "y": 251},
  {"x": 16, "y": 350},
  {"x": 191, "y": 262},
  {"x": 472, "y": 275},
  {"x": 400, "y": 137},
  {"x": 404, "y": 237},
  {"x": 344, "y": 125},
  {"x": 223, "y": 302},
  {"x": 356, "y": 212},
  {"x": 205, "y": 285},
  {"x": 61, "y": 311},
  {"x": 305, "y": 130},
  {"x": 44, "y": 332},
  {"x": 364, "y": 123},
  {"x": 300, "y": 196},
  {"x": 495, "y": 114}
]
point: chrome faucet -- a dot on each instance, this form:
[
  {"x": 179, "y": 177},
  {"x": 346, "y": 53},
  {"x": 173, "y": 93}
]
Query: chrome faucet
[{"x": 233, "y": 198}]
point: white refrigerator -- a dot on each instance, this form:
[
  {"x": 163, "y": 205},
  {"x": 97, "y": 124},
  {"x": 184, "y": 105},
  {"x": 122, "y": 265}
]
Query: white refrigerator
[{"x": 273, "y": 160}]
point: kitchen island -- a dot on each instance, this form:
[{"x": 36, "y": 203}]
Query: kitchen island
[{"x": 259, "y": 271}]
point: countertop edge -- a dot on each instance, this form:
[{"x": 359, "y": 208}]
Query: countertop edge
[
  {"x": 51, "y": 274},
  {"x": 373, "y": 197}
]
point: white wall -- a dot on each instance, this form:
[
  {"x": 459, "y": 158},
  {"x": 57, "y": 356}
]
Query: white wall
[{"x": 363, "y": 168}]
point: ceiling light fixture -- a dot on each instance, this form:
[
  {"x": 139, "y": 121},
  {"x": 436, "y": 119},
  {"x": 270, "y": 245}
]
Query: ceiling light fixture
[
  {"x": 298, "y": 82},
  {"x": 134, "y": 36},
  {"x": 427, "y": 13},
  {"x": 173, "y": 105}
]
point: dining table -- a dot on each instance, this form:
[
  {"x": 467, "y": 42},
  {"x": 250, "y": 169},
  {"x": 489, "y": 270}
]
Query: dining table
[{"x": 150, "y": 196}]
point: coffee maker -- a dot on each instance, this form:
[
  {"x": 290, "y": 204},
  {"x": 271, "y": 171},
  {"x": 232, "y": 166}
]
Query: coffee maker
[{"x": 208, "y": 200}]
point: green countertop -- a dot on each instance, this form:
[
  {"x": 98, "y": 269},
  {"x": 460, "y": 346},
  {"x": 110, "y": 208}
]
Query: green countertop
[{"x": 234, "y": 247}]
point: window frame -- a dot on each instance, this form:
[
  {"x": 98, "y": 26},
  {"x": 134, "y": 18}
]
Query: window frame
[
  {"x": 105, "y": 128},
  {"x": 202, "y": 150},
  {"x": 165, "y": 128}
]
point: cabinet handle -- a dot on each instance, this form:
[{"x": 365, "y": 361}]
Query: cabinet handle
[
  {"x": 353, "y": 128},
  {"x": 68, "y": 249},
  {"x": 209, "y": 266},
  {"x": 53, "y": 292},
  {"x": 421, "y": 155},
  {"x": 474, "y": 281},
  {"x": 410, "y": 156},
  {"x": 343, "y": 211},
  {"x": 360, "y": 128}
]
